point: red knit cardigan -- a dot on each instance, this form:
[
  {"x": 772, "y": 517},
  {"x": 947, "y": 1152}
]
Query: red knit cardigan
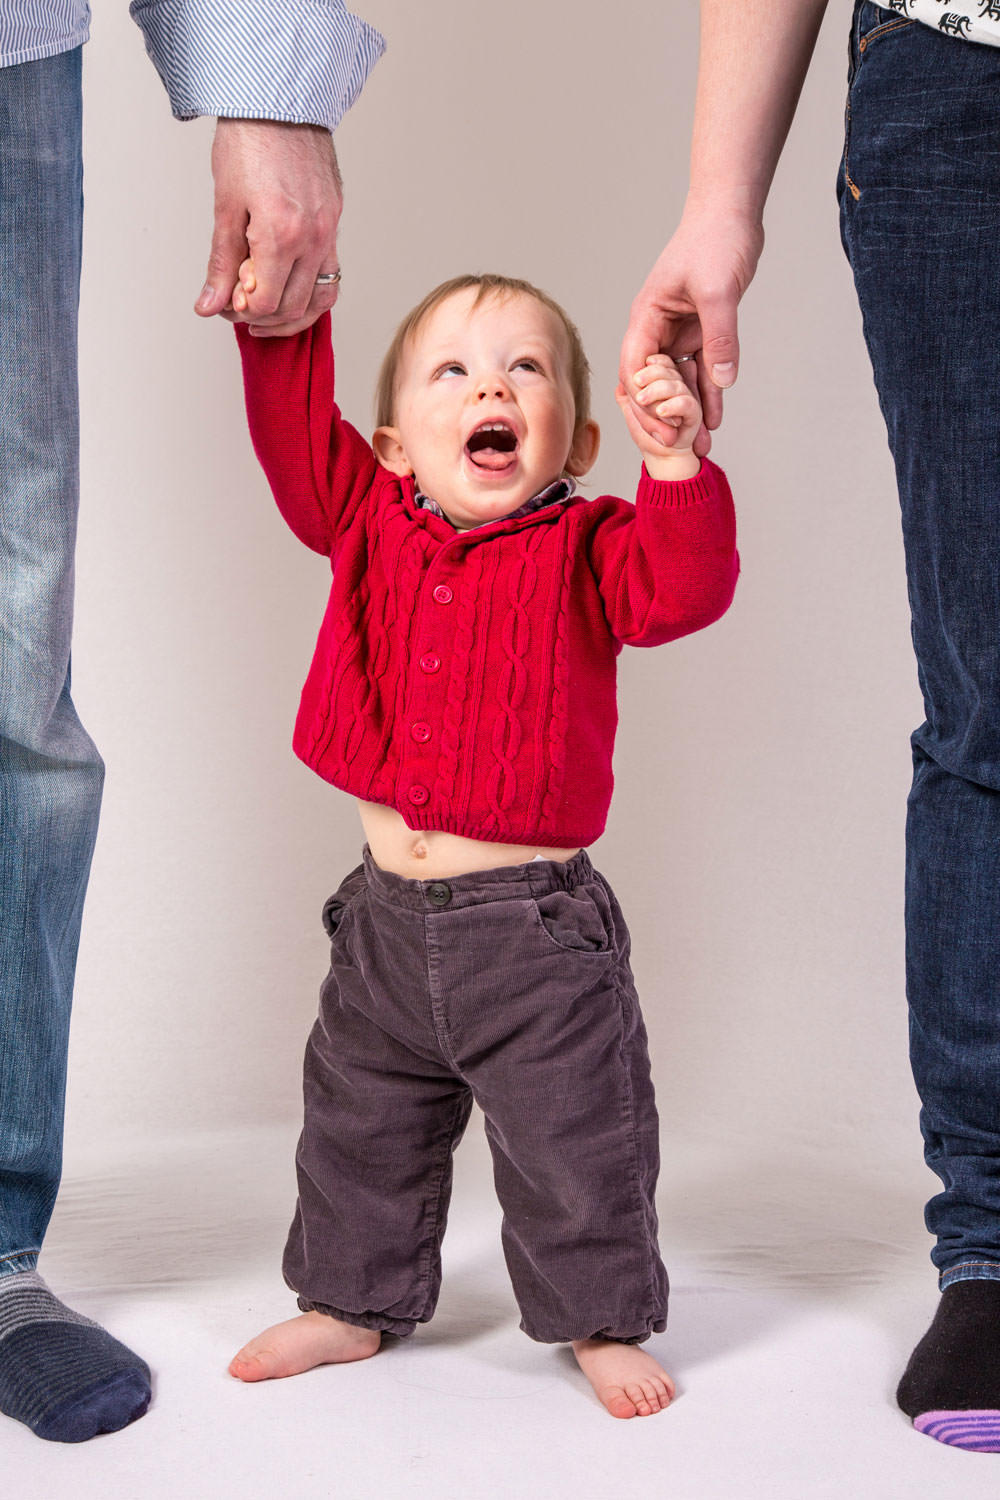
[{"x": 467, "y": 678}]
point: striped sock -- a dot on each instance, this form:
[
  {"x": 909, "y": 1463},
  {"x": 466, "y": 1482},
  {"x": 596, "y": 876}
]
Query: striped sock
[
  {"x": 61, "y": 1374},
  {"x": 951, "y": 1386}
]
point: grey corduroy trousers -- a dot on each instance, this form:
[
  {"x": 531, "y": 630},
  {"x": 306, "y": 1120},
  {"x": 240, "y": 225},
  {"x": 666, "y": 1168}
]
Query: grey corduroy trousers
[{"x": 511, "y": 988}]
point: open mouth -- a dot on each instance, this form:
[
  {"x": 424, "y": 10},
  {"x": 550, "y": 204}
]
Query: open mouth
[{"x": 492, "y": 446}]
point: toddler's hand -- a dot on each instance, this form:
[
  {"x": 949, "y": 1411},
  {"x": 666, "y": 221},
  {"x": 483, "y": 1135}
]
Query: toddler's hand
[
  {"x": 662, "y": 389},
  {"x": 244, "y": 287}
]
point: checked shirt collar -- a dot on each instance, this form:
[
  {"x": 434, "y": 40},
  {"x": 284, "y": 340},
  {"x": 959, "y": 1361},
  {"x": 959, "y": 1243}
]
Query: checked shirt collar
[{"x": 559, "y": 490}]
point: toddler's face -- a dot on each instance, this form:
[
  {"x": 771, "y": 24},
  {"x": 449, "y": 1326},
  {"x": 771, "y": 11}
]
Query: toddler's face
[{"x": 485, "y": 416}]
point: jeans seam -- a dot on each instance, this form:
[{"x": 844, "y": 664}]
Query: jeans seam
[
  {"x": 883, "y": 30},
  {"x": 855, "y": 191},
  {"x": 863, "y": 44}
]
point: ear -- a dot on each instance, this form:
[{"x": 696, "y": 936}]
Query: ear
[
  {"x": 583, "y": 454},
  {"x": 390, "y": 452}
]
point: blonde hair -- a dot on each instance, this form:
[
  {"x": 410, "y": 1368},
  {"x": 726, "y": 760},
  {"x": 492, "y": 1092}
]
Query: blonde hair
[{"x": 485, "y": 286}]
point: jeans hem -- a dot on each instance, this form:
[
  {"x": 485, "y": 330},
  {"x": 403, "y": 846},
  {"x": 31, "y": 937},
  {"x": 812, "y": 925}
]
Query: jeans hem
[
  {"x": 19, "y": 1260},
  {"x": 970, "y": 1270}
]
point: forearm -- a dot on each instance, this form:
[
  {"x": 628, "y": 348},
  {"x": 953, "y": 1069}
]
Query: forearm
[
  {"x": 667, "y": 566},
  {"x": 319, "y": 467},
  {"x": 754, "y": 58}
]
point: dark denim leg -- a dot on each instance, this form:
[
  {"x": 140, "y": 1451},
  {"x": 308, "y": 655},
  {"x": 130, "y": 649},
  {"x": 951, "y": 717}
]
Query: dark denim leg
[
  {"x": 920, "y": 215},
  {"x": 383, "y": 1114},
  {"x": 529, "y": 969}
]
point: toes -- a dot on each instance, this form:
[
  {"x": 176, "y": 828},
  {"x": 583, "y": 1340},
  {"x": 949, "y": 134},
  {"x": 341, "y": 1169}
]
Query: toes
[
  {"x": 248, "y": 1366},
  {"x": 657, "y": 1394},
  {"x": 638, "y": 1395},
  {"x": 618, "y": 1403}
]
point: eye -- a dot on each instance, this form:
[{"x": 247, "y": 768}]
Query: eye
[
  {"x": 454, "y": 368},
  {"x": 528, "y": 364}
]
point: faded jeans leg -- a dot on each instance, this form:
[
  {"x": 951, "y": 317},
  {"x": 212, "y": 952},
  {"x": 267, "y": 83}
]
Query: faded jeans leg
[{"x": 50, "y": 772}]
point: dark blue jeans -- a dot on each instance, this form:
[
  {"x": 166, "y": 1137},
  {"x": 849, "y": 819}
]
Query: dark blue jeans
[
  {"x": 50, "y": 773},
  {"x": 920, "y": 218}
]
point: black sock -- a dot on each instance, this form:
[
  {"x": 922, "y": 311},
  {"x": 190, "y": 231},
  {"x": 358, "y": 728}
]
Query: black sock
[{"x": 951, "y": 1386}]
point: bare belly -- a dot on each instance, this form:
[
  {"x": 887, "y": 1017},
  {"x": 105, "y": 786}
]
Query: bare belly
[{"x": 430, "y": 855}]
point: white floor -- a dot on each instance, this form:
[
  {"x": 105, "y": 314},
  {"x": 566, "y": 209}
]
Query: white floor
[{"x": 796, "y": 1298}]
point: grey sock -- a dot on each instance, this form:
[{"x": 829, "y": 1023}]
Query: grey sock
[{"x": 62, "y": 1374}]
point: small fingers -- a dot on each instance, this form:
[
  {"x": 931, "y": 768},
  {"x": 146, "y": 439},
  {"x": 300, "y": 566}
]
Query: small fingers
[
  {"x": 664, "y": 390},
  {"x": 244, "y": 287},
  {"x": 657, "y": 367},
  {"x": 228, "y": 247}
]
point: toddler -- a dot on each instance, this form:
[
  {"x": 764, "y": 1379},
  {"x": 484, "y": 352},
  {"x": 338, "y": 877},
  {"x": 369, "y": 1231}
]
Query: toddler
[{"x": 463, "y": 690}]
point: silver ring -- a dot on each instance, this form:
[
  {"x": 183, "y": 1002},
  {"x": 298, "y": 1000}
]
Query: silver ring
[
  {"x": 680, "y": 358},
  {"x": 328, "y": 278}
]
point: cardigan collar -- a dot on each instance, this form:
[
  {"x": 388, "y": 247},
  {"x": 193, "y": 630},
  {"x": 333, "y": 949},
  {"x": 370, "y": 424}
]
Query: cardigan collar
[{"x": 560, "y": 489}]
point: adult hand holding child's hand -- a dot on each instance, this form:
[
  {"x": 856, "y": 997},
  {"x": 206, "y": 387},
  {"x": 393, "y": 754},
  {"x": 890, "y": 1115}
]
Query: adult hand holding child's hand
[
  {"x": 660, "y": 395},
  {"x": 278, "y": 197},
  {"x": 689, "y": 303}
]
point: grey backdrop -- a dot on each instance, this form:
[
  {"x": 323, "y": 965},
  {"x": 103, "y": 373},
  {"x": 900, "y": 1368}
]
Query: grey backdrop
[{"x": 756, "y": 834}]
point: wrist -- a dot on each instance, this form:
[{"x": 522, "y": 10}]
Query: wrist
[
  {"x": 670, "y": 465},
  {"x": 735, "y": 202},
  {"x": 234, "y": 123}
]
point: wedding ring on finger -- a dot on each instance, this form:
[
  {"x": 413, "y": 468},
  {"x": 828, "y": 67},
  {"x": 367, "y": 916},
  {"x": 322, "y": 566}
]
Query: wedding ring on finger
[{"x": 328, "y": 278}]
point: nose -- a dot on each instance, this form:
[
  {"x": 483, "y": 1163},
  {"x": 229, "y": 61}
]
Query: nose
[{"x": 493, "y": 387}]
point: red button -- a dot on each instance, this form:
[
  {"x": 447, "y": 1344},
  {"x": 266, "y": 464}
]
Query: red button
[
  {"x": 419, "y": 795},
  {"x": 421, "y": 733},
  {"x": 430, "y": 662},
  {"x": 443, "y": 594}
]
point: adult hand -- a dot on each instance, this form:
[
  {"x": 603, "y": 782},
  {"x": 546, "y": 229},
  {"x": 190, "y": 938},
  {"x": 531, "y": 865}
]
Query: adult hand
[
  {"x": 278, "y": 198},
  {"x": 689, "y": 302}
]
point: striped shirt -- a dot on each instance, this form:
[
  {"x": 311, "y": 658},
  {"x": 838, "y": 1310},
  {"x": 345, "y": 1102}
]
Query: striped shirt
[
  {"x": 213, "y": 57},
  {"x": 972, "y": 20}
]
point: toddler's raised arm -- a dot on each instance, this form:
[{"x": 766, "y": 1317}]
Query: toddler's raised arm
[
  {"x": 668, "y": 565},
  {"x": 320, "y": 468}
]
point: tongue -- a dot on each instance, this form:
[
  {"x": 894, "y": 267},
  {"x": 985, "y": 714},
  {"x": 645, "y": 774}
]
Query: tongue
[{"x": 491, "y": 458}]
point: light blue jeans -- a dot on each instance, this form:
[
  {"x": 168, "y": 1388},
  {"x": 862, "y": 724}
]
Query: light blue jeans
[{"x": 50, "y": 772}]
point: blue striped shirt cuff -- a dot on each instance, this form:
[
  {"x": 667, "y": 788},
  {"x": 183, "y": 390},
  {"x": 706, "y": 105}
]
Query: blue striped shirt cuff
[{"x": 304, "y": 61}]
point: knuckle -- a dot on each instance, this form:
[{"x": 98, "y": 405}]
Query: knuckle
[
  {"x": 220, "y": 260},
  {"x": 722, "y": 343},
  {"x": 265, "y": 303}
]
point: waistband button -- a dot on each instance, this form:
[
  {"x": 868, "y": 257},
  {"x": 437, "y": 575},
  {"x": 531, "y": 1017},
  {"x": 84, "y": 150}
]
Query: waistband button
[{"x": 439, "y": 893}]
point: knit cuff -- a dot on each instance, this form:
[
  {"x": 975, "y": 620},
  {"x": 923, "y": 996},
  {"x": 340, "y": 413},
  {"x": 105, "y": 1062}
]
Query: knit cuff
[{"x": 702, "y": 488}]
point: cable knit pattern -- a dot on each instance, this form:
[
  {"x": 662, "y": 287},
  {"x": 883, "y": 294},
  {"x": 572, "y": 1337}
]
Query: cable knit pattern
[
  {"x": 409, "y": 583},
  {"x": 376, "y": 784},
  {"x": 468, "y": 678},
  {"x": 560, "y": 701},
  {"x": 458, "y": 682},
  {"x": 515, "y": 635}
]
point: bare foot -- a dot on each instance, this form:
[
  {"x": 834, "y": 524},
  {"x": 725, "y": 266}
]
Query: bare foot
[
  {"x": 627, "y": 1381},
  {"x": 300, "y": 1344}
]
